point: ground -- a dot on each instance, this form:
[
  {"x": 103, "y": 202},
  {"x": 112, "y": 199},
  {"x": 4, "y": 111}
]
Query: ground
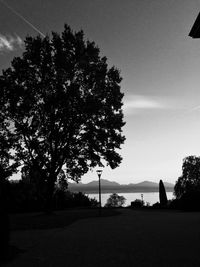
[{"x": 132, "y": 238}]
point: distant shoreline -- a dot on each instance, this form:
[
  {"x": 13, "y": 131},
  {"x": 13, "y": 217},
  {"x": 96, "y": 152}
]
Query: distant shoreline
[
  {"x": 113, "y": 187},
  {"x": 118, "y": 190},
  {"x": 121, "y": 192}
]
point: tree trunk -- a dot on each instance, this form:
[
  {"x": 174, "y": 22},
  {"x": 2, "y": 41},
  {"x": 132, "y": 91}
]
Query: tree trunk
[
  {"x": 49, "y": 194},
  {"x": 4, "y": 223}
]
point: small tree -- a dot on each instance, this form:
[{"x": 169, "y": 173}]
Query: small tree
[
  {"x": 189, "y": 181},
  {"x": 138, "y": 203},
  {"x": 162, "y": 194},
  {"x": 187, "y": 187},
  {"x": 115, "y": 201}
]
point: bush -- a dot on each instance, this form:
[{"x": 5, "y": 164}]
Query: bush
[
  {"x": 190, "y": 201},
  {"x": 156, "y": 205},
  {"x": 66, "y": 199},
  {"x": 81, "y": 200},
  {"x": 187, "y": 202},
  {"x": 138, "y": 203},
  {"x": 23, "y": 197},
  {"x": 115, "y": 201},
  {"x": 174, "y": 204}
]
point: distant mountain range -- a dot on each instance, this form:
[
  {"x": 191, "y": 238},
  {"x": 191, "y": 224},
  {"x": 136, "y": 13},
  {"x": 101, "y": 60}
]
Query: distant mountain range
[{"x": 111, "y": 187}]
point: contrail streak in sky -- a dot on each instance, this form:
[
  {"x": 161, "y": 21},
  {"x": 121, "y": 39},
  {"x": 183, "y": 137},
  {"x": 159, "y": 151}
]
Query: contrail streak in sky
[
  {"x": 21, "y": 17},
  {"x": 194, "y": 108}
]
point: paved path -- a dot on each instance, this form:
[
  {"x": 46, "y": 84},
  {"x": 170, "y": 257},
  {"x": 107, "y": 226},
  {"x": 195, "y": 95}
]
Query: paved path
[{"x": 134, "y": 238}]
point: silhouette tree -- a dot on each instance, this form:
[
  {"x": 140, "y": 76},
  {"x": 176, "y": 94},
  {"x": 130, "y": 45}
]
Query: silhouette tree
[
  {"x": 64, "y": 105},
  {"x": 115, "y": 201},
  {"x": 162, "y": 194},
  {"x": 189, "y": 182}
]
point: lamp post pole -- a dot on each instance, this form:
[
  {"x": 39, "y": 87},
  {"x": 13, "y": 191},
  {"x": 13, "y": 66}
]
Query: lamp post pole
[
  {"x": 142, "y": 199},
  {"x": 99, "y": 172}
]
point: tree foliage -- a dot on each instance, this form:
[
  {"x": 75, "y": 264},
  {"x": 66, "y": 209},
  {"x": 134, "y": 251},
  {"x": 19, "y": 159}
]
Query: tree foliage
[
  {"x": 115, "y": 201},
  {"x": 190, "y": 179},
  {"x": 162, "y": 193},
  {"x": 137, "y": 203},
  {"x": 7, "y": 164},
  {"x": 63, "y": 105}
]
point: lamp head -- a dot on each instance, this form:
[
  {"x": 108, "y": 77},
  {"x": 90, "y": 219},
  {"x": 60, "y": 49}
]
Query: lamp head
[{"x": 99, "y": 172}]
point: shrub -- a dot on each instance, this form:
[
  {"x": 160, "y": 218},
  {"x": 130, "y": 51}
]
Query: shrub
[
  {"x": 190, "y": 201},
  {"x": 82, "y": 200},
  {"x": 22, "y": 197},
  {"x": 115, "y": 201},
  {"x": 138, "y": 203}
]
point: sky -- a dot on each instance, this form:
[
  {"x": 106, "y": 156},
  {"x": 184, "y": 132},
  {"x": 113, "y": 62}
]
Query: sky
[{"x": 147, "y": 40}]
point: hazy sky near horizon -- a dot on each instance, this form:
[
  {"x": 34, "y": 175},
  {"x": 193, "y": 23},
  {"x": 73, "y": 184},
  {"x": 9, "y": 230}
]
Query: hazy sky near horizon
[{"x": 160, "y": 65}]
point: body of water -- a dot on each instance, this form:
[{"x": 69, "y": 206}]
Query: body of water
[{"x": 150, "y": 197}]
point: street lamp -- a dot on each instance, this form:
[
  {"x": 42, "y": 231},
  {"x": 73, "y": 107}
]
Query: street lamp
[{"x": 99, "y": 172}]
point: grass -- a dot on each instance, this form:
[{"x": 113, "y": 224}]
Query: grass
[
  {"x": 57, "y": 219},
  {"x": 137, "y": 238}
]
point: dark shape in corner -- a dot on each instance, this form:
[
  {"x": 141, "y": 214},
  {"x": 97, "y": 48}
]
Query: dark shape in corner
[{"x": 195, "y": 31}]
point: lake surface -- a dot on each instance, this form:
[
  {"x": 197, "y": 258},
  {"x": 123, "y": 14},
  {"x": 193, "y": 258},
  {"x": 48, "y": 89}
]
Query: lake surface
[{"x": 150, "y": 197}]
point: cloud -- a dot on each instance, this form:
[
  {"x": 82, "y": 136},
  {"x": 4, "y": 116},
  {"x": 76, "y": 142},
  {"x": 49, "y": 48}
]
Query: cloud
[
  {"x": 135, "y": 103},
  {"x": 10, "y": 43}
]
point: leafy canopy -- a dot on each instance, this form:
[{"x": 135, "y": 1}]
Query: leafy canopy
[
  {"x": 7, "y": 164},
  {"x": 190, "y": 180},
  {"x": 115, "y": 201},
  {"x": 63, "y": 105}
]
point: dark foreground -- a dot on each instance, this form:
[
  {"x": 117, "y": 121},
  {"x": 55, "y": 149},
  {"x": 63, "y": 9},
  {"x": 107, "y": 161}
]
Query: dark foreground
[{"x": 132, "y": 238}]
